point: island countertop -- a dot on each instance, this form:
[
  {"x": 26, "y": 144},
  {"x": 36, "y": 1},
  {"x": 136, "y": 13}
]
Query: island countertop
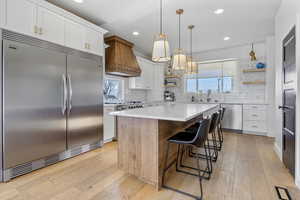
[{"x": 172, "y": 112}]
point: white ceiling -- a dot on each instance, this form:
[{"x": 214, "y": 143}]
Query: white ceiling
[{"x": 244, "y": 21}]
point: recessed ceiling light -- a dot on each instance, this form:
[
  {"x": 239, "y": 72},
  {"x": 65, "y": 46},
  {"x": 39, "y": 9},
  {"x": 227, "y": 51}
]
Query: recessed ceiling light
[
  {"x": 78, "y": 1},
  {"x": 135, "y": 33},
  {"x": 219, "y": 11},
  {"x": 226, "y": 38}
]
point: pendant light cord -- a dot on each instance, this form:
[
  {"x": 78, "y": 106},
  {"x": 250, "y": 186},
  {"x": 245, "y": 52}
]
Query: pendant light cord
[
  {"x": 179, "y": 31},
  {"x": 191, "y": 44},
  {"x": 161, "y": 16}
]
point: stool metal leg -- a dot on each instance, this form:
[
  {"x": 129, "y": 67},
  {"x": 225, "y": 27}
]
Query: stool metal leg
[
  {"x": 165, "y": 164},
  {"x": 166, "y": 168},
  {"x": 205, "y": 171},
  {"x": 215, "y": 147},
  {"x": 200, "y": 179}
]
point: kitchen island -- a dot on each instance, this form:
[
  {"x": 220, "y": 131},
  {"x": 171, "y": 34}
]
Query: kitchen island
[{"x": 143, "y": 133}]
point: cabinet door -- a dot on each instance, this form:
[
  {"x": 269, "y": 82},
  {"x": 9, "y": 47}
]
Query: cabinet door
[
  {"x": 159, "y": 81},
  {"x": 94, "y": 40},
  {"x": 51, "y": 26},
  {"x": 148, "y": 75},
  {"x": 138, "y": 82},
  {"x": 2, "y": 13},
  {"x": 109, "y": 124},
  {"x": 21, "y": 16},
  {"x": 74, "y": 35}
]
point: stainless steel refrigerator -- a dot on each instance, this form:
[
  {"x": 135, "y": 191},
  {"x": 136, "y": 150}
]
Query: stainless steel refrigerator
[{"x": 52, "y": 103}]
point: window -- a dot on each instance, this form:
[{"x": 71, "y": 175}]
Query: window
[
  {"x": 113, "y": 90},
  {"x": 220, "y": 77}
]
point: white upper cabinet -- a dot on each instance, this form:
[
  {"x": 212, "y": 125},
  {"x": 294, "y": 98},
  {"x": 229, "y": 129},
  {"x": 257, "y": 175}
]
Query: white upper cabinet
[
  {"x": 40, "y": 19},
  {"x": 51, "y": 26},
  {"x": 148, "y": 73},
  {"x": 21, "y": 16},
  {"x": 75, "y": 35},
  {"x": 82, "y": 38},
  {"x": 94, "y": 41},
  {"x": 2, "y": 13},
  {"x": 145, "y": 81}
]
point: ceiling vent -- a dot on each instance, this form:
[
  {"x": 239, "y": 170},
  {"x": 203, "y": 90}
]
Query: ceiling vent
[{"x": 120, "y": 59}]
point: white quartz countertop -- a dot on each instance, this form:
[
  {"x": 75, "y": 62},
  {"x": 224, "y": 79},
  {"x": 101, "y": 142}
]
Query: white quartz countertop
[{"x": 172, "y": 112}]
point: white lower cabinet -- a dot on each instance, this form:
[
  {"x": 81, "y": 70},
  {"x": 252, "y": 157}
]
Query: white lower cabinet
[
  {"x": 250, "y": 119},
  {"x": 254, "y": 119},
  {"x": 109, "y": 124}
]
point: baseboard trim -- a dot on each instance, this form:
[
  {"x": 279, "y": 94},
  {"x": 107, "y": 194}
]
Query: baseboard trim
[
  {"x": 297, "y": 182},
  {"x": 278, "y": 151},
  {"x": 108, "y": 140}
]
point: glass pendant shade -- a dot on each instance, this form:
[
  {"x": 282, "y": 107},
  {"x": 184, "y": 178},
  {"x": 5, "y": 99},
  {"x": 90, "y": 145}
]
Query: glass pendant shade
[
  {"x": 161, "y": 49},
  {"x": 179, "y": 61},
  {"x": 191, "y": 67}
]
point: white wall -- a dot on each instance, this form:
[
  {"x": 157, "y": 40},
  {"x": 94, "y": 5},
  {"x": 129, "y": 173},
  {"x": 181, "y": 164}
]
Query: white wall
[
  {"x": 270, "y": 84},
  {"x": 244, "y": 93},
  {"x": 285, "y": 19}
]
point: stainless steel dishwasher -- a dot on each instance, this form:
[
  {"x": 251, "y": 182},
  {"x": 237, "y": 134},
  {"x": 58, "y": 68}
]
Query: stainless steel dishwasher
[{"x": 233, "y": 117}]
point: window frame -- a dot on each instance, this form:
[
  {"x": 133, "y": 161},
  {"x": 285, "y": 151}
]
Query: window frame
[{"x": 220, "y": 86}]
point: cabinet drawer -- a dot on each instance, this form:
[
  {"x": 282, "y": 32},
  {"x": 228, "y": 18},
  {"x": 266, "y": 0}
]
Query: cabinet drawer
[
  {"x": 254, "y": 115},
  {"x": 254, "y": 107},
  {"x": 255, "y": 126}
]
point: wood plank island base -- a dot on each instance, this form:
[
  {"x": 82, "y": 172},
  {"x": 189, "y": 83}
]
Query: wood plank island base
[{"x": 143, "y": 133}]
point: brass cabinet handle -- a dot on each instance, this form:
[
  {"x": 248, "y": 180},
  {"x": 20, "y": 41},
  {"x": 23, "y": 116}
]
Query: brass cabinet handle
[
  {"x": 41, "y": 31},
  {"x": 35, "y": 29}
]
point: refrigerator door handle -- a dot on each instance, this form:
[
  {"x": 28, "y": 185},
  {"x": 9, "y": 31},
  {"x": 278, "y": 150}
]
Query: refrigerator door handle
[
  {"x": 70, "y": 93},
  {"x": 64, "y": 103}
]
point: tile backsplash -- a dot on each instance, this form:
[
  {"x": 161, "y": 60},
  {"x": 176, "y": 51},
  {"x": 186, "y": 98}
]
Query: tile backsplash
[{"x": 245, "y": 93}]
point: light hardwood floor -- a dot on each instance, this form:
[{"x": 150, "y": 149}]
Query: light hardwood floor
[{"x": 247, "y": 169}]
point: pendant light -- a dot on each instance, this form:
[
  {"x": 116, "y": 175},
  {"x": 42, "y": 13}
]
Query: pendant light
[
  {"x": 179, "y": 58},
  {"x": 252, "y": 53},
  {"x": 161, "y": 48},
  {"x": 191, "y": 64}
]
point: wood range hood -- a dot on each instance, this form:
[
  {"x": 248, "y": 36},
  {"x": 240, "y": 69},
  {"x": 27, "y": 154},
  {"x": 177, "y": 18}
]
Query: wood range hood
[{"x": 120, "y": 59}]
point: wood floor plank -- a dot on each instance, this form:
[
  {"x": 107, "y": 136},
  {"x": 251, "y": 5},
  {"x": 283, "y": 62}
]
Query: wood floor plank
[{"x": 247, "y": 169}]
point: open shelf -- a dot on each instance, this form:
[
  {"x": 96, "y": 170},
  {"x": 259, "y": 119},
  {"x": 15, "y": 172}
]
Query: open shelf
[
  {"x": 172, "y": 76},
  {"x": 170, "y": 85},
  {"x": 254, "y": 82},
  {"x": 254, "y": 70}
]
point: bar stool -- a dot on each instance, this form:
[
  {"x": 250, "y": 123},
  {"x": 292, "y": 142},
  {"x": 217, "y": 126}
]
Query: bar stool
[
  {"x": 221, "y": 122},
  {"x": 183, "y": 139},
  {"x": 212, "y": 131}
]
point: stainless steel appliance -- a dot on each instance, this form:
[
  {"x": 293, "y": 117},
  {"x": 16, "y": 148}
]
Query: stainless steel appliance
[
  {"x": 130, "y": 105},
  {"x": 233, "y": 117},
  {"x": 52, "y": 103}
]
